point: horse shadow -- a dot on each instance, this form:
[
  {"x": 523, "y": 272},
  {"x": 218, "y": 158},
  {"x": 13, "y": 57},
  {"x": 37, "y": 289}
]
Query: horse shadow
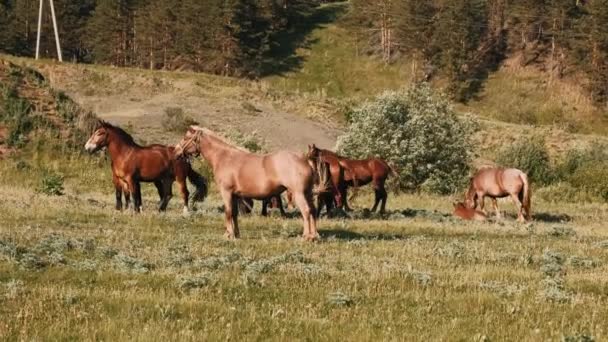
[
  {"x": 551, "y": 218},
  {"x": 346, "y": 235}
]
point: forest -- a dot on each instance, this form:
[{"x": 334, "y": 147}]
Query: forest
[{"x": 460, "y": 41}]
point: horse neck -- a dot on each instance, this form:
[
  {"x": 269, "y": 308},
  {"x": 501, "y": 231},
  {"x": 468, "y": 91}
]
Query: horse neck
[
  {"x": 212, "y": 149},
  {"x": 117, "y": 146}
]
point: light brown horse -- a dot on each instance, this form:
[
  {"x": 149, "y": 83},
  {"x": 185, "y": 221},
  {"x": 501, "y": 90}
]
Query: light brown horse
[
  {"x": 349, "y": 172},
  {"x": 132, "y": 164},
  {"x": 498, "y": 183},
  {"x": 461, "y": 211},
  {"x": 240, "y": 173}
]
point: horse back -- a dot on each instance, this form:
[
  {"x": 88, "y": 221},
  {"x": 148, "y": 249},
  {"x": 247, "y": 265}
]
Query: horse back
[{"x": 498, "y": 181}]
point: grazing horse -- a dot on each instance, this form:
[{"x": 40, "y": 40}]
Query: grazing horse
[
  {"x": 498, "y": 183},
  {"x": 239, "y": 173},
  {"x": 132, "y": 164},
  {"x": 348, "y": 172},
  {"x": 460, "y": 210}
]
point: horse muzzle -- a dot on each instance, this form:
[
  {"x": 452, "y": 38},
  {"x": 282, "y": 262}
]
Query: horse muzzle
[{"x": 91, "y": 148}]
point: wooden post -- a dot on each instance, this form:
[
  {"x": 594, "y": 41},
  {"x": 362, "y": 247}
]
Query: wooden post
[
  {"x": 39, "y": 29},
  {"x": 56, "y": 31}
]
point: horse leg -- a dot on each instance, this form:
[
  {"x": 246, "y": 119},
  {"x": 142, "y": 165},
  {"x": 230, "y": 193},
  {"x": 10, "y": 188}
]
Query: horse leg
[
  {"x": 384, "y": 198},
  {"x": 280, "y": 203},
  {"x": 304, "y": 204},
  {"x": 320, "y": 203},
  {"x": 482, "y": 202},
  {"x": 159, "y": 188},
  {"x": 495, "y": 205},
  {"x": 118, "y": 189},
  {"x": 235, "y": 215},
  {"x": 229, "y": 200},
  {"x": 135, "y": 189},
  {"x": 183, "y": 188},
  {"x": 376, "y": 200},
  {"x": 168, "y": 191},
  {"x": 344, "y": 195},
  {"x": 519, "y": 206},
  {"x": 265, "y": 207}
]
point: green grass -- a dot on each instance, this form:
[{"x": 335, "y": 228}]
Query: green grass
[{"x": 71, "y": 267}]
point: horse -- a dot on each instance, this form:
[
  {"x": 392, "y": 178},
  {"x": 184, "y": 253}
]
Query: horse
[
  {"x": 349, "y": 172},
  {"x": 132, "y": 164},
  {"x": 461, "y": 210},
  {"x": 274, "y": 202},
  {"x": 498, "y": 183},
  {"x": 240, "y": 173}
]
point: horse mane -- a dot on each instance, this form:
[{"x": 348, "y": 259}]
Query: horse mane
[
  {"x": 207, "y": 131},
  {"x": 122, "y": 134}
]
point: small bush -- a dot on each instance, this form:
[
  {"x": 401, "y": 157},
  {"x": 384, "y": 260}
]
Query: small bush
[
  {"x": 251, "y": 141},
  {"x": 593, "y": 178},
  {"x": 175, "y": 120},
  {"x": 530, "y": 156},
  {"x": 419, "y": 132},
  {"x": 51, "y": 184}
]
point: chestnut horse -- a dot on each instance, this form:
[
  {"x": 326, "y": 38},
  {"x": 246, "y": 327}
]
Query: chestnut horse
[
  {"x": 460, "y": 210},
  {"x": 348, "y": 172},
  {"x": 498, "y": 183},
  {"x": 132, "y": 164},
  {"x": 239, "y": 173}
]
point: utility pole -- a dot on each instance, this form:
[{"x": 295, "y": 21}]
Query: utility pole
[{"x": 57, "y": 44}]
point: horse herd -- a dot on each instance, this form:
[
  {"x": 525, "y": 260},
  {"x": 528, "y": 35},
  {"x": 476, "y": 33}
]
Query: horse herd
[{"x": 242, "y": 176}]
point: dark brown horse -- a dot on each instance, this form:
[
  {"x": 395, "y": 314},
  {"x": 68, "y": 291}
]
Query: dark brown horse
[
  {"x": 498, "y": 183},
  {"x": 241, "y": 174},
  {"x": 348, "y": 172},
  {"x": 132, "y": 164}
]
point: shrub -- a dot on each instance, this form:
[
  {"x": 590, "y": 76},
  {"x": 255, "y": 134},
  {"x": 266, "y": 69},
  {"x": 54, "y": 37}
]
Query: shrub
[
  {"x": 593, "y": 178},
  {"x": 530, "y": 156},
  {"x": 417, "y": 131},
  {"x": 51, "y": 184},
  {"x": 175, "y": 120},
  {"x": 250, "y": 141}
]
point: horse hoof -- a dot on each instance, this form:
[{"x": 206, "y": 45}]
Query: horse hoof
[{"x": 185, "y": 211}]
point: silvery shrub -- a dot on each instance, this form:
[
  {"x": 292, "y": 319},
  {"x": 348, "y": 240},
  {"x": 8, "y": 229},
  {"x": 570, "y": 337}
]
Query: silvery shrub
[{"x": 419, "y": 133}]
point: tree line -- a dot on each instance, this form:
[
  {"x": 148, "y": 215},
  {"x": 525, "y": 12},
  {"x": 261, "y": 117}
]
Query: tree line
[
  {"x": 466, "y": 39},
  {"x": 230, "y": 37}
]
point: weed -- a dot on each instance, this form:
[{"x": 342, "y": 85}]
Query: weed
[
  {"x": 130, "y": 264},
  {"x": 175, "y": 120},
  {"x": 51, "y": 184},
  {"x": 186, "y": 283},
  {"x": 339, "y": 299}
]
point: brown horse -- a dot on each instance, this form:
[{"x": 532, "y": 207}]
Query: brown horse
[
  {"x": 132, "y": 164},
  {"x": 498, "y": 183},
  {"x": 460, "y": 210},
  {"x": 240, "y": 173},
  {"x": 348, "y": 172}
]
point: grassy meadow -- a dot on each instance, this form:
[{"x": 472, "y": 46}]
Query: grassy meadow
[{"x": 73, "y": 268}]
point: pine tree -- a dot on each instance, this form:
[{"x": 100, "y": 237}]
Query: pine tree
[{"x": 110, "y": 32}]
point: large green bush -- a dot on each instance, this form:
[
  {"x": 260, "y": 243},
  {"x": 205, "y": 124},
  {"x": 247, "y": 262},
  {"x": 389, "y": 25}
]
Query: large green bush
[
  {"x": 418, "y": 132},
  {"x": 530, "y": 156}
]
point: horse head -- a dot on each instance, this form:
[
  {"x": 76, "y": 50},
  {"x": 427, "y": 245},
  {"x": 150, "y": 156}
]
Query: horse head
[
  {"x": 190, "y": 143},
  {"x": 99, "y": 138},
  {"x": 313, "y": 152}
]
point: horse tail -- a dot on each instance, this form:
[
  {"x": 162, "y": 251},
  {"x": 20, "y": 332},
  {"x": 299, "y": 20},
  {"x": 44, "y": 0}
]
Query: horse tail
[
  {"x": 199, "y": 182},
  {"x": 526, "y": 203}
]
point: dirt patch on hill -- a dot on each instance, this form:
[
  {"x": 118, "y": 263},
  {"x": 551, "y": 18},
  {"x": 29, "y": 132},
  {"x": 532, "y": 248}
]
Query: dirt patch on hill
[{"x": 137, "y": 99}]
